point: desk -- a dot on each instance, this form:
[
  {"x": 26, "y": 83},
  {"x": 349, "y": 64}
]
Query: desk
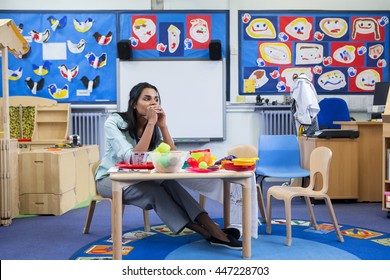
[
  {"x": 122, "y": 179},
  {"x": 343, "y": 179},
  {"x": 370, "y": 143}
]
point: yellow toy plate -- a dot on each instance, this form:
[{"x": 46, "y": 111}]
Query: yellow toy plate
[{"x": 244, "y": 161}]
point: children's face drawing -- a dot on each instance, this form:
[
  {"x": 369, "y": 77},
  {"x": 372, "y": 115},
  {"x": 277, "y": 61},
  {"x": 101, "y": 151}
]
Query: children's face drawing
[{"x": 144, "y": 29}]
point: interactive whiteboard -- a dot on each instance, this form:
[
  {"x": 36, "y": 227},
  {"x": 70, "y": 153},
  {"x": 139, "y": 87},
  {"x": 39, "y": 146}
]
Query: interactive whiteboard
[{"x": 192, "y": 94}]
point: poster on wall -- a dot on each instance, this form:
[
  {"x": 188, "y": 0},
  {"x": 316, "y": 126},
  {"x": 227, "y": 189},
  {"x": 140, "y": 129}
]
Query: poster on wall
[
  {"x": 72, "y": 57},
  {"x": 340, "y": 52},
  {"x": 174, "y": 34}
]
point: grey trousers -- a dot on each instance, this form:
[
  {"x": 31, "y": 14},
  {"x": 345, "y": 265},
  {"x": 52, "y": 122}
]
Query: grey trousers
[{"x": 171, "y": 202}]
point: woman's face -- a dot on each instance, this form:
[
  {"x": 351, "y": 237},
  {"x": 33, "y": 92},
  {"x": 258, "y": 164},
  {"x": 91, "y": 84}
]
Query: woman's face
[{"x": 148, "y": 97}]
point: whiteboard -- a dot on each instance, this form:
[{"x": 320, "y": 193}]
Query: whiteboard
[{"x": 192, "y": 94}]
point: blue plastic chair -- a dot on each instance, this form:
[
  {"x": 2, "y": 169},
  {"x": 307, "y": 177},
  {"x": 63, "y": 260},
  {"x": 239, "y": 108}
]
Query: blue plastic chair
[
  {"x": 332, "y": 109},
  {"x": 279, "y": 157}
]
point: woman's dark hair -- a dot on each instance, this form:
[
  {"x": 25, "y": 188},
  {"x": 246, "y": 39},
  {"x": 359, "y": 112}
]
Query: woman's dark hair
[{"x": 130, "y": 117}]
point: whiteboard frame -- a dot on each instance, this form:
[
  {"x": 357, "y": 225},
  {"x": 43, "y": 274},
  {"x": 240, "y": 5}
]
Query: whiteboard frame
[{"x": 202, "y": 112}]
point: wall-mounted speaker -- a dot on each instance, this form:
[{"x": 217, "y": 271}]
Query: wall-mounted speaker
[
  {"x": 124, "y": 49},
  {"x": 215, "y": 50}
]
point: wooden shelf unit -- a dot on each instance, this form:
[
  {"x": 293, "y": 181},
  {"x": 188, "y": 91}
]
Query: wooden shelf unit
[
  {"x": 386, "y": 167},
  {"x": 51, "y": 122},
  {"x": 385, "y": 157}
]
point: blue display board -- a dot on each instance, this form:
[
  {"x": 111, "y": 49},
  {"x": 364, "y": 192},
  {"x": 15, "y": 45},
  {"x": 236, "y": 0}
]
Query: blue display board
[
  {"x": 174, "y": 34},
  {"x": 72, "y": 57},
  {"x": 341, "y": 52}
]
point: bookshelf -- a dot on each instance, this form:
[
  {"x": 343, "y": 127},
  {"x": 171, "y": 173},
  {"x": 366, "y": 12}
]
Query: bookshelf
[{"x": 386, "y": 157}]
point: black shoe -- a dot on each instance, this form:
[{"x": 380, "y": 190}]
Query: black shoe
[
  {"x": 232, "y": 244},
  {"x": 233, "y": 232}
]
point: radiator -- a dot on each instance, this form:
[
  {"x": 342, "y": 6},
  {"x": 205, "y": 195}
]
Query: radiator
[
  {"x": 9, "y": 181},
  {"x": 89, "y": 126},
  {"x": 276, "y": 122}
]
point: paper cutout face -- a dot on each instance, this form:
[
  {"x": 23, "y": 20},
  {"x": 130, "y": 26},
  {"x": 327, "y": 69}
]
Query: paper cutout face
[
  {"x": 173, "y": 38},
  {"x": 366, "y": 79},
  {"x": 334, "y": 27},
  {"x": 277, "y": 53},
  {"x": 374, "y": 52},
  {"x": 144, "y": 29},
  {"x": 199, "y": 30},
  {"x": 261, "y": 28},
  {"x": 345, "y": 54},
  {"x": 288, "y": 74},
  {"x": 332, "y": 80},
  {"x": 366, "y": 26},
  {"x": 260, "y": 77},
  {"x": 309, "y": 53},
  {"x": 299, "y": 28}
]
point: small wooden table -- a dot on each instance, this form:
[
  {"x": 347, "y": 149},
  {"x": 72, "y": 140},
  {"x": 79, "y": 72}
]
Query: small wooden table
[{"x": 122, "y": 179}]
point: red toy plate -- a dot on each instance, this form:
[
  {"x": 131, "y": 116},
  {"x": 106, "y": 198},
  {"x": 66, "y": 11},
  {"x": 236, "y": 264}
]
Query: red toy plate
[
  {"x": 231, "y": 166},
  {"x": 196, "y": 169},
  {"x": 148, "y": 165}
]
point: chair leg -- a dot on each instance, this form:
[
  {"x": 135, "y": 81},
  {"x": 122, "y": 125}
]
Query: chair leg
[
  {"x": 313, "y": 220},
  {"x": 91, "y": 210},
  {"x": 260, "y": 202},
  {"x": 287, "y": 209},
  {"x": 269, "y": 214},
  {"x": 146, "y": 221},
  {"x": 202, "y": 200},
  {"x": 334, "y": 220}
]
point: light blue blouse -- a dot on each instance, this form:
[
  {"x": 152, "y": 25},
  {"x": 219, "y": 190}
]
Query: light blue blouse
[{"x": 119, "y": 145}]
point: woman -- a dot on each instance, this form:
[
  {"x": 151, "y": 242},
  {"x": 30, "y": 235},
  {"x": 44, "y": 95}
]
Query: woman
[{"x": 140, "y": 129}]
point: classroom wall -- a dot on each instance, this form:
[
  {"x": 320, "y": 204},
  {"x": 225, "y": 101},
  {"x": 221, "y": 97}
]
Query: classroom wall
[{"x": 242, "y": 121}]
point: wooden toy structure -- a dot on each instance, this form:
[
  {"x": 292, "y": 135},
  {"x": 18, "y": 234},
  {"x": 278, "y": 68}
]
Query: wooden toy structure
[{"x": 11, "y": 41}]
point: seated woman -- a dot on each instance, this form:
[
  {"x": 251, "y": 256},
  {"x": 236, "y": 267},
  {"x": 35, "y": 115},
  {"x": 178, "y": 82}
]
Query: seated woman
[{"x": 142, "y": 128}]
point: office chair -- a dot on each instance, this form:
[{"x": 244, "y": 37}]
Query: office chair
[
  {"x": 279, "y": 157},
  {"x": 98, "y": 197},
  {"x": 320, "y": 159},
  {"x": 332, "y": 109}
]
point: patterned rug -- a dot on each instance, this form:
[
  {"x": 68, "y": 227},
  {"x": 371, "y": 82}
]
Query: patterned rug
[{"x": 307, "y": 244}]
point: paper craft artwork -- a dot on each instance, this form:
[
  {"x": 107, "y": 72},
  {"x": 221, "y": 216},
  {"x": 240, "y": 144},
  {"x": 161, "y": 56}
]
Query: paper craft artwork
[
  {"x": 133, "y": 236},
  {"x": 103, "y": 40},
  {"x": 76, "y": 47},
  {"x": 83, "y": 26},
  {"x": 34, "y": 86},
  {"x": 40, "y": 37},
  {"x": 107, "y": 250},
  {"x": 58, "y": 93},
  {"x": 360, "y": 233},
  {"x": 165, "y": 230},
  {"x": 57, "y": 23},
  {"x": 96, "y": 61}
]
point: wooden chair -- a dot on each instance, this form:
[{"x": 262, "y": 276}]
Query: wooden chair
[
  {"x": 249, "y": 151},
  {"x": 320, "y": 159},
  {"x": 98, "y": 197}
]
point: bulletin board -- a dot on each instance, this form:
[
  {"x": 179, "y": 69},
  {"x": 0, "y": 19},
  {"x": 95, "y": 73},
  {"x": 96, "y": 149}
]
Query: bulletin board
[
  {"x": 341, "y": 52},
  {"x": 174, "y": 34},
  {"x": 72, "y": 57}
]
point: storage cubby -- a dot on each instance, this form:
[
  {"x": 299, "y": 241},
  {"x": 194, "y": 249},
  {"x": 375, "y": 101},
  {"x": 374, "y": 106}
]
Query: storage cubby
[
  {"x": 51, "y": 122},
  {"x": 386, "y": 155}
]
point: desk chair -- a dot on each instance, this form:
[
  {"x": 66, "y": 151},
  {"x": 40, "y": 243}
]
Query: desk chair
[
  {"x": 279, "y": 158},
  {"x": 98, "y": 197},
  {"x": 332, "y": 109},
  {"x": 320, "y": 159}
]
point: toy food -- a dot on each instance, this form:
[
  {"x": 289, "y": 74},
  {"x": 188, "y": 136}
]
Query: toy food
[{"x": 163, "y": 148}]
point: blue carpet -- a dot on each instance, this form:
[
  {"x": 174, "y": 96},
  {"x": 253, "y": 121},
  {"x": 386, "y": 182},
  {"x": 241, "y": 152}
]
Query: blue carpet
[{"x": 307, "y": 244}]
